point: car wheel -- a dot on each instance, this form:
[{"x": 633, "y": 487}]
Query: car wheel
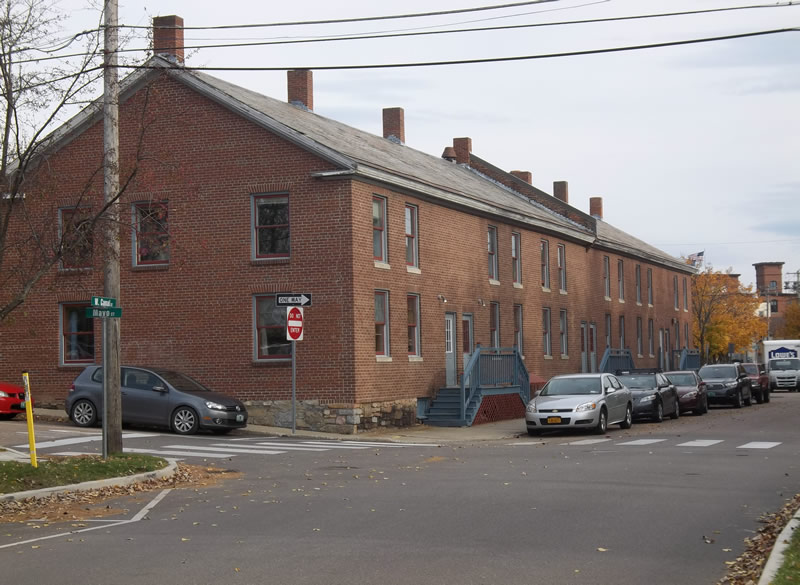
[
  {"x": 703, "y": 408},
  {"x": 602, "y": 423},
  {"x": 759, "y": 396},
  {"x": 659, "y": 415},
  {"x": 628, "y": 422},
  {"x": 737, "y": 400},
  {"x": 677, "y": 412},
  {"x": 185, "y": 421},
  {"x": 749, "y": 400},
  {"x": 84, "y": 413},
  {"x": 766, "y": 395}
]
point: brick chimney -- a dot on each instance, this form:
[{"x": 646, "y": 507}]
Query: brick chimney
[
  {"x": 524, "y": 175},
  {"x": 394, "y": 128},
  {"x": 561, "y": 192},
  {"x": 596, "y": 207},
  {"x": 168, "y": 37},
  {"x": 463, "y": 148},
  {"x": 300, "y": 85}
]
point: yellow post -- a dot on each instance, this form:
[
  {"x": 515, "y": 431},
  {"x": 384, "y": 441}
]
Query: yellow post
[{"x": 29, "y": 416}]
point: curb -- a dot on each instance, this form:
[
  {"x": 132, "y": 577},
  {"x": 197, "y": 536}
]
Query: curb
[
  {"x": 85, "y": 486},
  {"x": 775, "y": 559}
]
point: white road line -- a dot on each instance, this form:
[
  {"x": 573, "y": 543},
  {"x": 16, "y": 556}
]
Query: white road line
[
  {"x": 758, "y": 445},
  {"x": 177, "y": 453},
  {"x": 528, "y": 443},
  {"x": 642, "y": 442},
  {"x": 231, "y": 450},
  {"x": 700, "y": 443},
  {"x": 335, "y": 445},
  {"x": 77, "y": 440},
  {"x": 286, "y": 446},
  {"x": 587, "y": 442}
]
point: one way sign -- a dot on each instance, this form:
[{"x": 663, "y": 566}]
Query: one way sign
[{"x": 293, "y": 299}]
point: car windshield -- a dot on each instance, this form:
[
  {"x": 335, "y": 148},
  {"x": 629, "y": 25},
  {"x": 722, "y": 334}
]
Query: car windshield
[
  {"x": 638, "y": 380},
  {"x": 568, "y": 386},
  {"x": 751, "y": 369},
  {"x": 787, "y": 364},
  {"x": 681, "y": 379},
  {"x": 722, "y": 371},
  {"x": 182, "y": 381}
]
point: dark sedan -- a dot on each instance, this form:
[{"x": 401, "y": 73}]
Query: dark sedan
[
  {"x": 158, "y": 397},
  {"x": 653, "y": 395},
  {"x": 727, "y": 384},
  {"x": 691, "y": 391}
]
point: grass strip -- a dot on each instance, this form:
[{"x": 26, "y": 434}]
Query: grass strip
[
  {"x": 56, "y": 471},
  {"x": 789, "y": 573}
]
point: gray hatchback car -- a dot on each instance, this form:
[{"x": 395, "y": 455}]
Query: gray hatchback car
[{"x": 158, "y": 397}]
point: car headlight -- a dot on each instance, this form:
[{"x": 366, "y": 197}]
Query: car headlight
[
  {"x": 648, "y": 398},
  {"x": 586, "y": 406},
  {"x": 3, "y": 394},
  {"x": 531, "y": 407},
  {"x": 731, "y": 384},
  {"x": 214, "y": 405},
  {"x": 692, "y": 394}
]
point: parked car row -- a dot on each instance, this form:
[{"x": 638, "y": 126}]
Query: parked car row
[{"x": 594, "y": 401}]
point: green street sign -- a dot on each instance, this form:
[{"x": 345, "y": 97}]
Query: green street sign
[
  {"x": 95, "y": 313},
  {"x": 104, "y": 302}
]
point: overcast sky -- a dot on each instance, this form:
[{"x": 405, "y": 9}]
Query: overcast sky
[{"x": 693, "y": 148}]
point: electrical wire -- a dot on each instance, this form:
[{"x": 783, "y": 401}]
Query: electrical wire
[{"x": 489, "y": 59}]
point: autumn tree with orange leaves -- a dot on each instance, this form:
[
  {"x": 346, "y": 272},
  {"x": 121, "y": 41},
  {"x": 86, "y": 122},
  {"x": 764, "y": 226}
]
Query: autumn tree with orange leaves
[
  {"x": 791, "y": 321},
  {"x": 724, "y": 313}
]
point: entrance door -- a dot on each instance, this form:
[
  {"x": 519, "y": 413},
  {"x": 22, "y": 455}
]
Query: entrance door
[
  {"x": 667, "y": 351},
  {"x": 584, "y": 346},
  {"x": 467, "y": 341},
  {"x": 593, "y": 347},
  {"x": 450, "y": 349}
]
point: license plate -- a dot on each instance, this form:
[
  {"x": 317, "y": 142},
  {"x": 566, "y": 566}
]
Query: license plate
[
  {"x": 239, "y": 417},
  {"x": 553, "y": 420},
  {"x": 22, "y": 405}
]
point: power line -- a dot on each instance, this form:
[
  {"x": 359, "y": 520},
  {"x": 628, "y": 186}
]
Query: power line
[
  {"x": 489, "y": 59},
  {"x": 356, "y": 19}
]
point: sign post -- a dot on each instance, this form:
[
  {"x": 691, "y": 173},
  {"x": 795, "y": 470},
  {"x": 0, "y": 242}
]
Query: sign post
[
  {"x": 104, "y": 308},
  {"x": 29, "y": 415},
  {"x": 294, "y": 333}
]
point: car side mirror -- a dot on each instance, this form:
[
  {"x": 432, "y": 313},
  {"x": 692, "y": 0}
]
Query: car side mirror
[
  {"x": 762, "y": 372},
  {"x": 159, "y": 389},
  {"x": 610, "y": 390}
]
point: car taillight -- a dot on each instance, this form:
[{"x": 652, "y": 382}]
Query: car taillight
[{"x": 72, "y": 387}]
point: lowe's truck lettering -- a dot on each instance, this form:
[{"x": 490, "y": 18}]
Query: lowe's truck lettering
[{"x": 781, "y": 358}]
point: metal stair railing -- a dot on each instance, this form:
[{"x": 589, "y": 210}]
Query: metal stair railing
[{"x": 493, "y": 366}]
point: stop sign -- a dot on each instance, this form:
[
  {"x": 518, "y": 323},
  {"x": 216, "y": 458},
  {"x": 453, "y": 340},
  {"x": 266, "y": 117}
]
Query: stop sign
[{"x": 294, "y": 323}]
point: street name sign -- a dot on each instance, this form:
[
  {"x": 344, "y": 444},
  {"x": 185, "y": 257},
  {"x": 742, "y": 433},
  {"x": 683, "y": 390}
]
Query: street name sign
[
  {"x": 294, "y": 324},
  {"x": 104, "y": 302},
  {"x": 95, "y": 313},
  {"x": 293, "y": 299}
]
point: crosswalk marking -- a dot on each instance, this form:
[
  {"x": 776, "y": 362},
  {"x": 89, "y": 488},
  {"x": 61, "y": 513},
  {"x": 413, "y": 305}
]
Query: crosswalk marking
[
  {"x": 643, "y": 442},
  {"x": 758, "y": 445},
  {"x": 176, "y": 453},
  {"x": 700, "y": 443},
  {"x": 587, "y": 442},
  {"x": 230, "y": 450},
  {"x": 290, "y": 446},
  {"x": 77, "y": 440}
]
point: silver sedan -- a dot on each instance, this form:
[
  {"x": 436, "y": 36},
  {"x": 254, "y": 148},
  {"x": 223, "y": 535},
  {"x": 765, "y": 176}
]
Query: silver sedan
[{"x": 590, "y": 401}]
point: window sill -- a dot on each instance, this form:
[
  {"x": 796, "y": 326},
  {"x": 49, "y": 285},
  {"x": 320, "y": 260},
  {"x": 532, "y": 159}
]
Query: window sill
[
  {"x": 149, "y": 267},
  {"x": 686, "y": 310},
  {"x": 74, "y": 271},
  {"x": 494, "y": 282},
  {"x": 413, "y": 270},
  {"x": 607, "y": 299},
  {"x": 382, "y": 265},
  {"x": 562, "y": 292},
  {"x": 271, "y": 363},
  {"x": 638, "y": 303},
  {"x": 621, "y": 301},
  {"x": 564, "y": 356},
  {"x": 414, "y": 359},
  {"x": 63, "y": 366},
  {"x": 548, "y": 357},
  {"x": 518, "y": 285},
  {"x": 638, "y": 355},
  {"x": 546, "y": 289},
  {"x": 649, "y": 305},
  {"x": 383, "y": 358},
  {"x": 678, "y": 309},
  {"x": 259, "y": 261}
]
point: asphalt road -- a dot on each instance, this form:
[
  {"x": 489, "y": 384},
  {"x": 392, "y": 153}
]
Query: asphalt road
[{"x": 632, "y": 507}]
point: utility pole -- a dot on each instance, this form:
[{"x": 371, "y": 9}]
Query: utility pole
[{"x": 112, "y": 421}]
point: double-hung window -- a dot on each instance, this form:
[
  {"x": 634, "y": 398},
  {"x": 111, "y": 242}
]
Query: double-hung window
[
  {"x": 651, "y": 342},
  {"x": 621, "y": 279},
  {"x": 379, "y": 229},
  {"x": 77, "y": 334},
  {"x": 562, "y": 268},
  {"x": 638, "y": 335},
  {"x": 413, "y": 325},
  {"x": 75, "y": 229},
  {"x": 562, "y": 323},
  {"x": 686, "y": 335},
  {"x": 516, "y": 262},
  {"x": 675, "y": 292},
  {"x": 492, "y": 242},
  {"x": 518, "y": 328},
  {"x": 608, "y": 330},
  {"x": 607, "y": 277},
  {"x": 685, "y": 295},
  {"x": 650, "y": 286},
  {"x": 639, "y": 284},
  {"x": 151, "y": 235},
  {"x": 545, "y": 261},
  {"x": 547, "y": 345},
  {"x": 270, "y": 329},
  {"x": 494, "y": 324},
  {"x": 271, "y": 226},
  {"x": 412, "y": 241},
  {"x": 381, "y": 323},
  {"x": 621, "y": 332}
]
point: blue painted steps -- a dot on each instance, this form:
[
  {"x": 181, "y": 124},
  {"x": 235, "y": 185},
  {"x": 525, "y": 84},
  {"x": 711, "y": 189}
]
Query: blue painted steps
[{"x": 445, "y": 409}]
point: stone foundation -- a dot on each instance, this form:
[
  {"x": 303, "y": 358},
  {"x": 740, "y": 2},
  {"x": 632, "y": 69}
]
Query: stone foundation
[{"x": 349, "y": 419}]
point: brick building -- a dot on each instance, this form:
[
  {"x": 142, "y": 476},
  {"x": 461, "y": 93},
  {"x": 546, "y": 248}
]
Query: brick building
[
  {"x": 775, "y": 295},
  {"x": 412, "y": 259}
]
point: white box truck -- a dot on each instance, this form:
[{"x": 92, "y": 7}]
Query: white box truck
[{"x": 781, "y": 359}]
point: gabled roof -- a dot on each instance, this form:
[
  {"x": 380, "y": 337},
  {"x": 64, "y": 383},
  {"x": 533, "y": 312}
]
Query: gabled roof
[{"x": 373, "y": 158}]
